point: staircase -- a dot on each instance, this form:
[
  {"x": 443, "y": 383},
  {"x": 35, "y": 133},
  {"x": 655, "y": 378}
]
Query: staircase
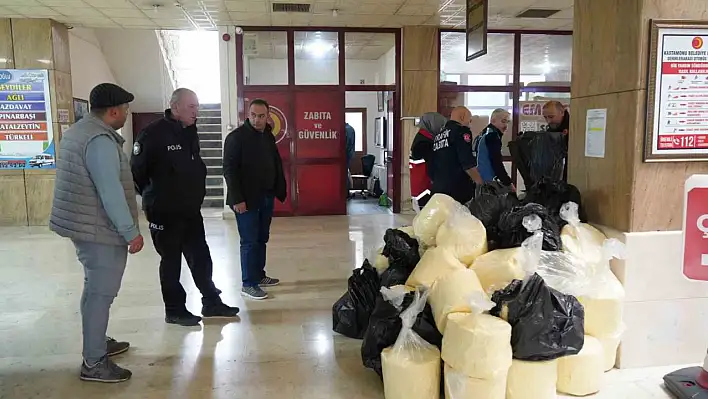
[{"x": 209, "y": 128}]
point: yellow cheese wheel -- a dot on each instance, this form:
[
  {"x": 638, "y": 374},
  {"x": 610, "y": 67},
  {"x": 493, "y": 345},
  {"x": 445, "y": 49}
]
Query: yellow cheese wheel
[
  {"x": 581, "y": 374},
  {"x": 497, "y": 269},
  {"x": 477, "y": 345},
  {"x": 609, "y": 347},
  {"x": 460, "y": 386},
  {"x": 435, "y": 213},
  {"x": 380, "y": 262},
  {"x": 411, "y": 373},
  {"x": 583, "y": 241},
  {"x": 408, "y": 230},
  {"x": 434, "y": 264},
  {"x": 604, "y": 306},
  {"x": 465, "y": 236},
  {"x": 451, "y": 294},
  {"x": 532, "y": 380}
]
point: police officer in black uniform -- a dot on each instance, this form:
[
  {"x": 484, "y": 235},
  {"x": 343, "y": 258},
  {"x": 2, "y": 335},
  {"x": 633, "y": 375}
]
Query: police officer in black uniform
[
  {"x": 454, "y": 167},
  {"x": 170, "y": 175}
]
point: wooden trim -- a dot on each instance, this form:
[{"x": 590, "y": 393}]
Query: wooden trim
[
  {"x": 516, "y": 94},
  {"x": 291, "y": 57},
  {"x": 370, "y": 88},
  {"x": 465, "y": 89},
  {"x": 397, "y": 127}
]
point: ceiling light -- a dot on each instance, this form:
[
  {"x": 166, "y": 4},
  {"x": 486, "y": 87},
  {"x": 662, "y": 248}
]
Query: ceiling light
[
  {"x": 318, "y": 48},
  {"x": 546, "y": 66}
]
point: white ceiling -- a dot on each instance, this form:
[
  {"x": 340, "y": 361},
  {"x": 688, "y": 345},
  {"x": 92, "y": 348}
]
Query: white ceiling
[
  {"x": 361, "y": 46},
  {"x": 207, "y": 14}
]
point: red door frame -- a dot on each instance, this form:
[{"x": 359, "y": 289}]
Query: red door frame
[
  {"x": 342, "y": 88},
  {"x": 515, "y": 89}
]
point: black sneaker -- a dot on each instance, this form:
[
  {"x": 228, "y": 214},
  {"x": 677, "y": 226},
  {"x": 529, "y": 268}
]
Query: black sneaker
[
  {"x": 219, "y": 310},
  {"x": 183, "y": 319},
  {"x": 269, "y": 282},
  {"x": 114, "y": 347},
  {"x": 104, "y": 371}
]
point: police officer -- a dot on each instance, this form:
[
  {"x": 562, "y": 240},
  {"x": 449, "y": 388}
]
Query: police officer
[
  {"x": 170, "y": 175},
  {"x": 454, "y": 167}
]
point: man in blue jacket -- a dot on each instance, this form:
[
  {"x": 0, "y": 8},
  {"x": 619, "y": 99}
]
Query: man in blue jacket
[{"x": 488, "y": 147}]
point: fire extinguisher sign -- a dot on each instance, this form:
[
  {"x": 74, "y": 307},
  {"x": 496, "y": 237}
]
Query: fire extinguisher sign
[{"x": 695, "y": 228}]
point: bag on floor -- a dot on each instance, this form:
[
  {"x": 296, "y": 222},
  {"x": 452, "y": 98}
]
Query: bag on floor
[
  {"x": 385, "y": 325},
  {"x": 512, "y": 233},
  {"x": 539, "y": 155},
  {"x": 552, "y": 195},
  {"x": 403, "y": 255},
  {"x": 350, "y": 314},
  {"x": 489, "y": 203}
]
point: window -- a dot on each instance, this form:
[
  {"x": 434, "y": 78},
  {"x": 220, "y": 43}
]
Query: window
[
  {"x": 316, "y": 58},
  {"x": 370, "y": 58},
  {"x": 265, "y": 58}
]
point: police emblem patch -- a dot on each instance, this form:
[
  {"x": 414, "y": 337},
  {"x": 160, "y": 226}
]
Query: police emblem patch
[
  {"x": 137, "y": 149},
  {"x": 467, "y": 137}
]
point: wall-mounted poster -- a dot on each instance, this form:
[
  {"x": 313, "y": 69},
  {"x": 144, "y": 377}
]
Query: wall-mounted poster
[
  {"x": 81, "y": 109},
  {"x": 26, "y": 135},
  {"x": 677, "y": 95}
]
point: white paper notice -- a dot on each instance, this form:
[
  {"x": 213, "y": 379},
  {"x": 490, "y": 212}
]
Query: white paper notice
[{"x": 595, "y": 125}]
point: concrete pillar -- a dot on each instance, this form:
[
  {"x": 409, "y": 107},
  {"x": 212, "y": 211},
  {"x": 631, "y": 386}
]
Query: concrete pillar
[
  {"x": 26, "y": 195},
  {"x": 640, "y": 203}
]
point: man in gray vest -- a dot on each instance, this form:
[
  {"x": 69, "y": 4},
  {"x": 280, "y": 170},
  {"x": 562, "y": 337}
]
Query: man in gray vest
[{"x": 95, "y": 206}]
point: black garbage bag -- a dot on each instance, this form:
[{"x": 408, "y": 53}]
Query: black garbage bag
[
  {"x": 400, "y": 249},
  {"x": 395, "y": 275},
  {"x": 491, "y": 200},
  {"x": 539, "y": 155},
  {"x": 385, "y": 325},
  {"x": 512, "y": 233},
  {"x": 545, "y": 324},
  {"x": 350, "y": 314},
  {"x": 552, "y": 195}
]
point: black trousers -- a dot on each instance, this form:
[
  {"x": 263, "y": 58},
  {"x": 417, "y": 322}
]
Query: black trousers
[{"x": 174, "y": 235}]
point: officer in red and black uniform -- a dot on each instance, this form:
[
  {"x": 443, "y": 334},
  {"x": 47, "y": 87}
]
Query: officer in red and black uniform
[{"x": 421, "y": 154}]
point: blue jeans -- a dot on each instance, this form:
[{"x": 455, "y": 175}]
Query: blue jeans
[{"x": 254, "y": 229}]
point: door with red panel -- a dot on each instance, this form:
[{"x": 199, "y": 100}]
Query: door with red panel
[
  {"x": 280, "y": 120},
  {"x": 320, "y": 160}
]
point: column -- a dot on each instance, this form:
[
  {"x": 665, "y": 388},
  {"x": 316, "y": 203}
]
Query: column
[
  {"x": 26, "y": 194},
  {"x": 640, "y": 203},
  {"x": 420, "y": 77}
]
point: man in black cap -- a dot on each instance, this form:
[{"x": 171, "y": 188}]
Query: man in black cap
[
  {"x": 170, "y": 175},
  {"x": 94, "y": 206}
]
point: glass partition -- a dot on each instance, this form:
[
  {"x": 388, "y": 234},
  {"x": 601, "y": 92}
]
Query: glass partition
[
  {"x": 316, "y": 58},
  {"x": 370, "y": 58},
  {"x": 265, "y": 58}
]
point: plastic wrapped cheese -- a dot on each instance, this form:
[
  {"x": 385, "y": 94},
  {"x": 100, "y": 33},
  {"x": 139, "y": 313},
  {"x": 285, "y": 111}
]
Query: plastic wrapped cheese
[
  {"x": 603, "y": 306},
  {"x": 380, "y": 261},
  {"x": 464, "y": 235},
  {"x": 451, "y": 293},
  {"x": 609, "y": 347},
  {"x": 435, "y": 213},
  {"x": 581, "y": 374},
  {"x": 460, "y": 386},
  {"x": 411, "y": 367},
  {"x": 477, "y": 345},
  {"x": 583, "y": 241},
  {"x": 532, "y": 380},
  {"x": 408, "y": 230},
  {"x": 497, "y": 269},
  {"x": 434, "y": 264}
]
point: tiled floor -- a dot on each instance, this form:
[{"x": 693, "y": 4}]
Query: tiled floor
[{"x": 281, "y": 348}]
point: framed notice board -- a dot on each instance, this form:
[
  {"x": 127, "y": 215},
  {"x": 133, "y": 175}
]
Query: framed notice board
[{"x": 476, "y": 28}]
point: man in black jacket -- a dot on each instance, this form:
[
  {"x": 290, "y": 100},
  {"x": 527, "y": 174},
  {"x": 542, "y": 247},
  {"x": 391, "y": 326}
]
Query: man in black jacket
[
  {"x": 170, "y": 176},
  {"x": 254, "y": 177},
  {"x": 558, "y": 120},
  {"x": 488, "y": 150}
]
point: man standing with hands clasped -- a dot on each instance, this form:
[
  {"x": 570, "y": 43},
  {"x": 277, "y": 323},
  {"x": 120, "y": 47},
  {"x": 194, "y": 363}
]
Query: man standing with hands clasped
[
  {"x": 171, "y": 177},
  {"x": 94, "y": 205},
  {"x": 254, "y": 177}
]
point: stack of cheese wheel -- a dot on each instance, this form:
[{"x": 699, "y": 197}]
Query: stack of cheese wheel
[
  {"x": 532, "y": 380},
  {"x": 498, "y": 268},
  {"x": 581, "y": 374},
  {"x": 464, "y": 235},
  {"x": 411, "y": 373},
  {"x": 451, "y": 294},
  {"x": 604, "y": 301},
  {"x": 434, "y": 214},
  {"x": 477, "y": 351},
  {"x": 435, "y": 263}
]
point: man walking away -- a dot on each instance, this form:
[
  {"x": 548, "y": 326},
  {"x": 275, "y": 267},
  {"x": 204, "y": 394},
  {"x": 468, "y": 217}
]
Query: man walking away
[
  {"x": 558, "y": 120},
  {"x": 489, "y": 150},
  {"x": 94, "y": 206},
  {"x": 254, "y": 177},
  {"x": 453, "y": 166},
  {"x": 350, "y": 149},
  {"x": 171, "y": 177},
  {"x": 431, "y": 123}
]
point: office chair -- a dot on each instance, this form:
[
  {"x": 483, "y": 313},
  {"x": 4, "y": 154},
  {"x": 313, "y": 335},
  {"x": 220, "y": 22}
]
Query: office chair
[{"x": 367, "y": 167}]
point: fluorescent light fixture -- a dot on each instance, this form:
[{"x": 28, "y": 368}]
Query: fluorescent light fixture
[
  {"x": 318, "y": 48},
  {"x": 45, "y": 61},
  {"x": 546, "y": 67}
]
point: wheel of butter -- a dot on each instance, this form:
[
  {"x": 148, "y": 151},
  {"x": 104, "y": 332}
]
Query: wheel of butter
[
  {"x": 451, "y": 294},
  {"x": 477, "y": 345},
  {"x": 460, "y": 386},
  {"x": 497, "y": 269},
  {"x": 435, "y": 263},
  {"x": 411, "y": 373},
  {"x": 464, "y": 235},
  {"x": 435, "y": 213},
  {"x": 603, "y": 306},
  {"x": 581, "y": 374},
  {"x": 583, "y": 241},
  {"x": 532, "y": 380},
  {"x": 609, "y": 347}
]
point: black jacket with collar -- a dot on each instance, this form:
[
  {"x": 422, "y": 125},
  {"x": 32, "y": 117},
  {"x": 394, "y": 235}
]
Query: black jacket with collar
[
  {"x": 168, "y": 171},
  {"x": 243, "y": 166}
]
